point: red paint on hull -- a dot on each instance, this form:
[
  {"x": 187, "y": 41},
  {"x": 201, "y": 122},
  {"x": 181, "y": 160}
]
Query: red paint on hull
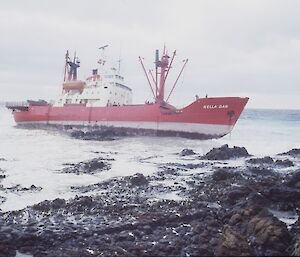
[{"x": 218, "y": 111}]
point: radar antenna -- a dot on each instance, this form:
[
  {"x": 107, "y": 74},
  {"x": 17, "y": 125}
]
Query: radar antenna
[{"x": 102, "y": 60}]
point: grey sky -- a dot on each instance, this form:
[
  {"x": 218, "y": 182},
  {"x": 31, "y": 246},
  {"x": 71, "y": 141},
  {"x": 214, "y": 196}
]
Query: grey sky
[{"x": 235, "y": 48}]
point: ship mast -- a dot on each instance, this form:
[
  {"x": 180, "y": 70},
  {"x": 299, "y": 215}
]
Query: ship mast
[
  {"x": 162, "y": 69},
  {"x": 163, "y": 64},
  {"x": 71, "y": 67}
]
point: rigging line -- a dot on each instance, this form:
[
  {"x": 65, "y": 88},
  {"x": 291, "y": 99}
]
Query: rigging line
[
  {"x": 141, "y": 61},
  {"x": 182, "y": 69},
  {"x": 170, "y": 65},
  {"x": 153, "y": 80}
]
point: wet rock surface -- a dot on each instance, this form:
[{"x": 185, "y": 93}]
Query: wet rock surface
[
  {"x": 19, "y": 188},
  {"x": 100, "y": 135},
  {"x": 220, "y": 210},
  {"x": 268, "y": 161},
  {"x": 88, "y": 167},
  {"x": 264, "y": 160},
  {"x": 225, "y": 153},
  {"x": 294, "y": 152},
  {"x": 186, "y": 152},
  {"x": 294, "y": 180}
]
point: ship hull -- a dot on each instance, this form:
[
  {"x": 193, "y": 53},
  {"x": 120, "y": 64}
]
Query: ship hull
[{"x": 204, "y": 118}]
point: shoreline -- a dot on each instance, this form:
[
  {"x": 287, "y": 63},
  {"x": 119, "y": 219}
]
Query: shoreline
[{"x": 232, "y": 210}]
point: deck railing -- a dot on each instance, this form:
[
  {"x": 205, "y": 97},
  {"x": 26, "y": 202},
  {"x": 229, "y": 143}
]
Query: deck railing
[
  {"x": 17, "y": 105},
  {"x": 20, "y": 104}
]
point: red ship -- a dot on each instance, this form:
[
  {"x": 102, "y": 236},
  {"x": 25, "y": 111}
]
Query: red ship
[{"x": 103, "y": 102}]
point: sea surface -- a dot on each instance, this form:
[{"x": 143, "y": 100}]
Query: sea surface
[{"x": 36, "y": 157}]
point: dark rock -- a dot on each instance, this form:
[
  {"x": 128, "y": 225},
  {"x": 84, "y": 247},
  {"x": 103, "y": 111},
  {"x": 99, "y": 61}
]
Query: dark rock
[
  {"x": 168, "y": 171},
  {"x": 88, "y": 167},
  {"x": 264, "y": 160},
  {"x": 222, "y": 174},
  {"x": 264, "y": 233},
  {"x": 296, "y": 248},
  {"x": 2, "y": 176},
  {"x": 7, "y": 249},
  {"x": 33, "y": 188},
  {"x": 282, "y": 193},
  {"x": 125, "y": 216},
  {"x": 27, "y": 239},
  {"x": 138, "y": 180},
  {"x": 83, "y": 202},
  {"x": 236, "y": 194},
  {"x": 125, "y": 236},
  {"x": 147, "y": 229},
  {"x": 294, "y": 152},
  {"x": 226, "y": 153},
  {"x": 94, "y": 165},
  {"x": 268, "y": 232},
  {"x": 58, "y": 203},
  {"x": 78, "y": 134},
  {"x": 261, "y": 171},
  {"x": 19, "y": 188},
  {"x": 44, "y": 206},
  {"x": 99, "y": 135},
  {"x": 186, "y": 152},
  {"x": 231, "y": 243},
  {"x": 2, "y": 199},
  {"x": 284, "y": 163},
  {"x": 195, "y": 165},
  {"x": 294, "y": 181}
]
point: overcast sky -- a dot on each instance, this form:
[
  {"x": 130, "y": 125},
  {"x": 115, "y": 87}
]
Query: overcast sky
[{"x": 235, "y": 48}]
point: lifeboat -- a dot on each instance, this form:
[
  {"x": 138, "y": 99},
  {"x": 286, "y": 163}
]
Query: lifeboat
[{"x": 74, "y": 85}]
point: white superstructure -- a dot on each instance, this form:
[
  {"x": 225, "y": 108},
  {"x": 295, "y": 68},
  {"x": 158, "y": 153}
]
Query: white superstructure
[{"x": 104, "y": 88}]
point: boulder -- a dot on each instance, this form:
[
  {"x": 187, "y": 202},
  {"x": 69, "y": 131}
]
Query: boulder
[
  {"x": 44, "y": 206},
  {"x": 264, "y": 160},
  {"x": 87, "y": 167},
  {"x": 236, "y": 194},
  {"x": 94, "y": 164},
  {"x": 138, "y": 180},
  {"x": 294, "y": 152},
  {"x": 7, "y": 249},
  {"x": 282, "y": 193},
  {"x": 99, "y": 135},
  {"x": 225, "y": 153},
  {"x": 294, "y": 180},
  {"x": 284, "y": 163},
  {"x": 222, "y": 174},
  {"x": 58, "y": 203},
  {"x": 257, "y": 227},
  {"x": 231, "y": 243},
  {"x": 186, "y": 152},
  {"x": 269, "y": 233}
]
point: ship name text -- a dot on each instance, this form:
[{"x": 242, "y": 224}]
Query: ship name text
[{"x": 215, "y": 106}]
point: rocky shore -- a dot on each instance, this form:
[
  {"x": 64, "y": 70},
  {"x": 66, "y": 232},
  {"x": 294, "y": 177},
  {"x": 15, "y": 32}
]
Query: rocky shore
[{"x": 225, "y": 203}]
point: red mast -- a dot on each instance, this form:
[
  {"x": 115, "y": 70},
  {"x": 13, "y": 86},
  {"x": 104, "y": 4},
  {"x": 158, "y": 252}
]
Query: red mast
[
  {"x": 163, "y": 65},
  {"x": 162, "y": 68}
]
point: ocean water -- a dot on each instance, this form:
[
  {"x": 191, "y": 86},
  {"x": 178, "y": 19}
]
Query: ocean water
[{"x": 35, "y": 157}]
